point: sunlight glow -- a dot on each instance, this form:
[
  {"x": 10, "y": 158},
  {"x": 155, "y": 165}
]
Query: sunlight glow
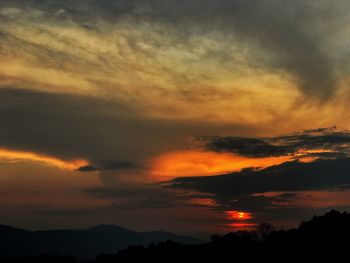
[{"x": 205, "y": 163}]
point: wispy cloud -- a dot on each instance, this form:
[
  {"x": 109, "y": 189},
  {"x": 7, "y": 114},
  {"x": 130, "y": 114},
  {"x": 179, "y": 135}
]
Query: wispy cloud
[{"x": 325, "y": 142}]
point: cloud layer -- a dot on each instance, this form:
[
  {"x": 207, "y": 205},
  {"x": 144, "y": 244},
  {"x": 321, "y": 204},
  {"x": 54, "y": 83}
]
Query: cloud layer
[
  {"x": 317, "y": 175},
  {"x": 247, "y": 61},
  {"x": 289, "y": 31}
]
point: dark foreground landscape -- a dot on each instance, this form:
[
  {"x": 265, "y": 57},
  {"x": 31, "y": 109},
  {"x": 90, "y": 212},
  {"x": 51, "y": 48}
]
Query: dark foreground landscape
[{"x": 322, "y": 236}]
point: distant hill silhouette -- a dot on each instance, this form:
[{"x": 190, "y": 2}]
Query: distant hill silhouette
[
  {"x": 82, "y": 244},
  {"x": 323, "y": 237}
]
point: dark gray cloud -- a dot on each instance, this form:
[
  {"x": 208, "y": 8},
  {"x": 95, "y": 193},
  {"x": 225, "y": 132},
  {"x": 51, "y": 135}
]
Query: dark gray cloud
[
  {"x": 287, "y": 29},
  {"x": 334, "y": 143},
  {"x": 286, "y": 177},
  {"x": 61, "y": 124},
  {"x": 71, "y": 126},
  {"x": 108, "y": 165},
  {"x": 136, "y": 195}
]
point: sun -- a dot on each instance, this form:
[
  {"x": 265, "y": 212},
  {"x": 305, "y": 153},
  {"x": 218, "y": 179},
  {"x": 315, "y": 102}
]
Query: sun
[{"x": 239, "y": 215}]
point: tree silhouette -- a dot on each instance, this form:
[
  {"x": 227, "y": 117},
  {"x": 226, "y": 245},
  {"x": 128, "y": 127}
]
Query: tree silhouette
[{"x": 265, "y": 229}]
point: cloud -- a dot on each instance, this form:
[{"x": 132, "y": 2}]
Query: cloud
[
  {"x": 201, "y": 163},
  {"x": 289, "y": 176},
  {"x": 109, "y": 134},
  {"x": 288, "y": 30},
  {"x": 323, "y": 142},
  {"x": 9, "y": 156},
  {"x": 213, "y": 61},
  {"x": 108, "y": 165}
]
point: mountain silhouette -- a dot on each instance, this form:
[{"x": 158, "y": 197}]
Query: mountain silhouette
[{"x": 82, "y": 244}]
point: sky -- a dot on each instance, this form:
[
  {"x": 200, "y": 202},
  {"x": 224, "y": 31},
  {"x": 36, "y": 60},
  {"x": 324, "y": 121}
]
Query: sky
[{"x": 189, "y": 116}]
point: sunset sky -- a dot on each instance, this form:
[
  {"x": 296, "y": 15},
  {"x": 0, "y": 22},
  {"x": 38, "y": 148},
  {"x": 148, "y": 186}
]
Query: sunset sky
[{"x": 190, "y": 116}]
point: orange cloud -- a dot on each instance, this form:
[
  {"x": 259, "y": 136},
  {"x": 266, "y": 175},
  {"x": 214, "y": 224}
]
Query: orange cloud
[
  {"x": 305, "y": 155},
  {"x": 11, "y": 156},
  {"x": 205, "y": 163}
]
